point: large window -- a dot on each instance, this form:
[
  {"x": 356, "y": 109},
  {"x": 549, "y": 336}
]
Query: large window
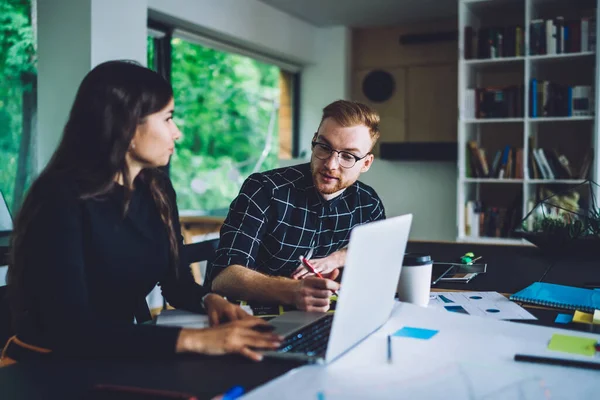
[
  {"x": 17, "y": 97},
  {"x": 236, "y": 117}
]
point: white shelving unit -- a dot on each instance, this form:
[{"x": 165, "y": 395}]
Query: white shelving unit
[{"x": 475, "y": 73}]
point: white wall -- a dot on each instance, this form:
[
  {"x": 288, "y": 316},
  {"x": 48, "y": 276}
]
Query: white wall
[
  {"x": 247, "y": 22},
  {"x": 119, "y": 30},
  {"x": 425, "y": 189},
  {"x": 73, "y": 37},
  {"x": 324, "y": 81}
]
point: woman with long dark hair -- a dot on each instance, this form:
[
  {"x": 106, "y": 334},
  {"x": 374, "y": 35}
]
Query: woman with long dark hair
[{"x": 99, "y": 229}]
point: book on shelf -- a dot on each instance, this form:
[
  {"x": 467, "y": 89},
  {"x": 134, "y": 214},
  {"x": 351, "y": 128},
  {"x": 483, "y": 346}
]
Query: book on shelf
[
  {"x": 493, "y": 42},
  {"x": 548, "y": 99},
  {"x": 559, "y": 36},
  {"x": 493, "y": 102},
  {"x": 490, "y": 221},
  {"x": 551, "y": 164},
  {"x": 506, "y": 163}
]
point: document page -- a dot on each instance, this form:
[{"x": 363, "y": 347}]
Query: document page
[
  {"x": 483, "y": 304},
  {"x": 184, "y": 319}
]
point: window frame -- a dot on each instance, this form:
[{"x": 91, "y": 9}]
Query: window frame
[{"x": 163, "y": 33}]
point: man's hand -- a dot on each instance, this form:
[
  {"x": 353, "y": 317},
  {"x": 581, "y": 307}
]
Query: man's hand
[
  {"x": 313, "y": 293},
  {"x": 322, "y": 265},
  {"x": 220, "y": 310}
]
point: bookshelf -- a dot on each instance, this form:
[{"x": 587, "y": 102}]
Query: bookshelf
[{"x": 526, "y": 71}]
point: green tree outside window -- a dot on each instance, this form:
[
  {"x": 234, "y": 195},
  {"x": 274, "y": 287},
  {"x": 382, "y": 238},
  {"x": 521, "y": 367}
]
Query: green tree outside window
[
  {"x": 226, "y": 107},
  {"x": 17, "y": 97}
]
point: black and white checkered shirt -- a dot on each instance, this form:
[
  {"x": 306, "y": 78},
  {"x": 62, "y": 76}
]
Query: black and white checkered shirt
[{"x": 279, "y": 215}]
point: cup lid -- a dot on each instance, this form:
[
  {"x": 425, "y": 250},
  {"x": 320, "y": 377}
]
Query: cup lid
[{"x": 416, "y": 259}]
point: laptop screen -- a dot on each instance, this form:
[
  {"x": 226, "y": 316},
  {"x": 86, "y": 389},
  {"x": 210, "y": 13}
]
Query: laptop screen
[{"x": 6, "y": 223}]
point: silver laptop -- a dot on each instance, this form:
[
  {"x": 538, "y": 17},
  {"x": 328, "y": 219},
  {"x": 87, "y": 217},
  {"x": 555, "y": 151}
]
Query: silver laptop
[{"x": 366, "y": 298}]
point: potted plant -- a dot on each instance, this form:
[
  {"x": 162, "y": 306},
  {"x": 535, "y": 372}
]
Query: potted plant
[{"x": 561, "y": 224}]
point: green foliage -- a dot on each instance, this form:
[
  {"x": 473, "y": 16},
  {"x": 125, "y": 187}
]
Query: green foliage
[
  {"x": 151, "y": 53},
  {"x": 17, "y": 58},
  {"x": 223, "y": 105}
]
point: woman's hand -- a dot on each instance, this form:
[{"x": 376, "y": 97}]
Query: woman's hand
[
  {"x": 242, "y": 337},
  {"x": 220, "y": 310}
]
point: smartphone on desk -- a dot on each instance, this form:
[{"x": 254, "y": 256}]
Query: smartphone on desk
[
  {"x": 462, "y": 272},
  {"x": 460, "y": 277},
  {"x": 121, "y": 392},
  {"x": 439, "y": 271}
]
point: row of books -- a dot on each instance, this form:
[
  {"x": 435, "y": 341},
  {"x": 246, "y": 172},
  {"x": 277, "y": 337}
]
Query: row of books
[
  {"x": 556, "y": 36},
  {"x": 549, "y": 99},
  {"x": 506, "y": 163},
  {"x": 550, "y": 36},
  {"x": 494, "y": 42},
  {"x": 551, "y": 164},
  {"x": 490, "y": 221},
  {"x": 506, "y": 102},
  {"x": 546, "y": 99}
]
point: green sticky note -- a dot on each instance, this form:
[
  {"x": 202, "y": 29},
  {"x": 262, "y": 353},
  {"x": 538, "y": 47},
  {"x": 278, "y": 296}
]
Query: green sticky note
[{"x": 572, "y": 344}]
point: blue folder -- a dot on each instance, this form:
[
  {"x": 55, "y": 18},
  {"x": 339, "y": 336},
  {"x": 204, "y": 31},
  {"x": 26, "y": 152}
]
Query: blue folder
[{"x": 559, "y": 296}]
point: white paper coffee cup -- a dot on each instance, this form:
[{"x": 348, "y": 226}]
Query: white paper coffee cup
[{"x": 414, "y": 284}]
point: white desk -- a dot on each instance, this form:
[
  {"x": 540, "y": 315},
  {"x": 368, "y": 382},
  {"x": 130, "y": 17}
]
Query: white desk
[{"x": 469, "y": 358}]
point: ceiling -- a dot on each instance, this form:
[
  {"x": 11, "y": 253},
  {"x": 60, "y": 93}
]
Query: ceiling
[{"x": 366, "y": 13}]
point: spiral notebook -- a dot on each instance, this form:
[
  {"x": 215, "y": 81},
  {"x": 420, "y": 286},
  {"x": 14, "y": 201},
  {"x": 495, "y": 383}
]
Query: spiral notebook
[{"x": 559, "y": 296}]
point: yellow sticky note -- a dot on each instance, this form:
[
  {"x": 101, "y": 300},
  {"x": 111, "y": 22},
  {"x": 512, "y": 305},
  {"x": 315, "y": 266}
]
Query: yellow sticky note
[
  {"x": 582, "y": 317},
  {"x": 573, "y": 344},
  {"x": 596, "y": 319}
]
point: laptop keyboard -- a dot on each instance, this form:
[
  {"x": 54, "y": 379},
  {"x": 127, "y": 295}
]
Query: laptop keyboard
[{"x": 311, "y": 340}]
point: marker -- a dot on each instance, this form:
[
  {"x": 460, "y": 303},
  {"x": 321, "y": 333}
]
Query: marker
[
  {"x": 557, "y": 361},
  {"x": 310, "y": 268},
  {"x": 389, "y": 349},
  {"x": 233, "y": 393}
]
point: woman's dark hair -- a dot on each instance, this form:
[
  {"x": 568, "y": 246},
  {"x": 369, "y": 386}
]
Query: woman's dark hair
[{"x": 112, "y": 100}]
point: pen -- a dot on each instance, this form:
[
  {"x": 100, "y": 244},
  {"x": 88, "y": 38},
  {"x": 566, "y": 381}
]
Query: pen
[
  {"x": 233, "y": 393},
  {"x": 557, "y": 361},
  {"x": 309, "y": 267},
  {"x": 389, "y": 349}
]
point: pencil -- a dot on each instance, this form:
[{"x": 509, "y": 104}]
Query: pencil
[
  {"x": 557, "y": 361},
  {"x": 389, "y": 349},
  {"x": 310, "y": 268}
]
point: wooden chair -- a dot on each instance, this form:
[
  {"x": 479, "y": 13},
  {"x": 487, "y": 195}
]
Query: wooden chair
[{"x": 195, "y": 226}]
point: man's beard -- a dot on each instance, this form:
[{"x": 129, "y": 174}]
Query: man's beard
[{"x": 326, "y": 189}]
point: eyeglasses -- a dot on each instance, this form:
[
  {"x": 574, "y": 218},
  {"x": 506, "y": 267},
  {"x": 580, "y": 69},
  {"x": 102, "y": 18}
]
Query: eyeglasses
[{"x": 346, "y": 159}]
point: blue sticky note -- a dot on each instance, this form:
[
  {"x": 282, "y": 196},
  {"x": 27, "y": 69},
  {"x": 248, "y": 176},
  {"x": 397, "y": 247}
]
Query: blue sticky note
[
  {"x": 564, "y": 319},
  {"x": 416, "y": 333}
]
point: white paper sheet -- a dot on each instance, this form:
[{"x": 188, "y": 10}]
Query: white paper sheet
[
  {"x": 469, "y": 358},
  {"x": 482, "y": 304},
  {"x": 182, "y": 318},
  {"x": 428, "y": 379}
]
